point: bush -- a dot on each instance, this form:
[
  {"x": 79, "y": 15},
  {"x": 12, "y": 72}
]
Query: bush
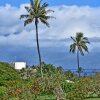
[
  {"x": 7, "y": 73},
  {"x": 3, "y": 93},
  {"x": 87, "y": 87}
]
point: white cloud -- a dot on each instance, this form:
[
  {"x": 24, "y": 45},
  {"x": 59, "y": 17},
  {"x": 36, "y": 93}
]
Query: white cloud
[{"x": 69, "y": 20}]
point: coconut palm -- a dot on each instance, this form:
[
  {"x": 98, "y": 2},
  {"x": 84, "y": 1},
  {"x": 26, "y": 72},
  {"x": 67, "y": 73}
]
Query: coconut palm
[
  {"x": 37, "y": 12},
  {"x": 80, "y": 44}
]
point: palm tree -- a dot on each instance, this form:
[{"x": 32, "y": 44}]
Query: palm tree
[
  {"x": 79, "y": 44},
  {"x": 37, "y": 12}
]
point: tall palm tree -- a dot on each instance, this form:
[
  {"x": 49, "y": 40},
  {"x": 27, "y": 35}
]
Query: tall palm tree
[
  {"x": 80, "y": 44},
  {"x": 37, "y": 12}
]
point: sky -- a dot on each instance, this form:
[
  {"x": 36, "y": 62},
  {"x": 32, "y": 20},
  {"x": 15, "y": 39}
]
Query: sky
[
  {"x": 55, "y": 2},
  {"x": 71, "y": 16}
]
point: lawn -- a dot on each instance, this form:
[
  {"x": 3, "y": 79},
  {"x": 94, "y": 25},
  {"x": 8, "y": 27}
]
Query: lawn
[
  {"x": 46, "y": 97},
  {"x": 52, "y": 98},
  {"x": 49, "y": 97},
  {"x": 93, "y": 99}
]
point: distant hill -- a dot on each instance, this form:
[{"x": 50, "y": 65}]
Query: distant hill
[{"x": 7, "y": 73}]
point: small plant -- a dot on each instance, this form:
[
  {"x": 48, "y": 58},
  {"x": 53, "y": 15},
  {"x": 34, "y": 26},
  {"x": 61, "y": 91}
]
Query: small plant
[
  {"x": 36, "y": 88},
  {"x": 3, "y": 93}
]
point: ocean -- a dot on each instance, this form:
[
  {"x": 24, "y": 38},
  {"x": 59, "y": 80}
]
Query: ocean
[{"x": 58, "y": 56}]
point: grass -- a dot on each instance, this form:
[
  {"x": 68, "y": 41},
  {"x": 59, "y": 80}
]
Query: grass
[
  {"x": 49, "y": 97},
  {"x": 53, "y": 98},
  {"x": 46, "y": 97},
  {"x": 93, "y": 99}
]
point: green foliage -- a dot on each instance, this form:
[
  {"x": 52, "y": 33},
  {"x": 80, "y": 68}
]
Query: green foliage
[
  {"x": 79, "y": 42},
  {"x": 87, "y": 87},
  {"x": 70, "y": 75},
  {"x": 48, "y": 70},
  {"x": 7, "y": 73},
  {"x": 22, "y": 90},
  {"x": 67, "y": 87},
  {"x": 75, "y": 91},
  {"x": 37, "y": 12},
  {"x": 52, "y": 84},
  {"x": 3, "y": 93}
]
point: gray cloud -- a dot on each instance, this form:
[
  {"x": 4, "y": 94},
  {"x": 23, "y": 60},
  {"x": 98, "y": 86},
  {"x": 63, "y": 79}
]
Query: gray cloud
[{"x": 69, "y": 20}]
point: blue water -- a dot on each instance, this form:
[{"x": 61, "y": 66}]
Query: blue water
[{"x": 58, "y": 56}]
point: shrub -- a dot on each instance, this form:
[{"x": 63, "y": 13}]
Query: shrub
[
  {"x": 3, "y": 93},
  {"x": 87, "y": 87},
  {"x": 7, "y": 73}
]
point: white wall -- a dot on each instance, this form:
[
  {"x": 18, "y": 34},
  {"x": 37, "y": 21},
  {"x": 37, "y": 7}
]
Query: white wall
[{"x": 20, "y": 65}]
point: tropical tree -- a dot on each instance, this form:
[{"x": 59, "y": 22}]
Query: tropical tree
[
  {"x": 79, "y": 45},
  {"x": 37, "y": 12}
]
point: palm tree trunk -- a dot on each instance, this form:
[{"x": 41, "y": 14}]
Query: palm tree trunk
[
  {"x": 38, "y": 48},
  {"x": 78, "y": 62}
]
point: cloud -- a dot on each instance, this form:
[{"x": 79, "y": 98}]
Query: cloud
[{"x": 69, "y": 20}]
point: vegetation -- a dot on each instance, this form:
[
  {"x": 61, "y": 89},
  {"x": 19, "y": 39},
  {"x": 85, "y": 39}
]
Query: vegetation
[
  {"x": 55, "y": 85},
  {"x": 7, "y": 73},
  {"x": 79, "y": 44},
  {"x": 37, "y": 12}
]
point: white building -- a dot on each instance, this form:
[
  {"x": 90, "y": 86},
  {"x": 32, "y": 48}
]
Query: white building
[{"x": 19, "y": 65}]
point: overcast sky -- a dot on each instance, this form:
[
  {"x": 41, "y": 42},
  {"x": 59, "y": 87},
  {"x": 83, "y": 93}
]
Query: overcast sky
[
  {"x": 71, "y": 16},
  {"x": 69, "y": 20}
]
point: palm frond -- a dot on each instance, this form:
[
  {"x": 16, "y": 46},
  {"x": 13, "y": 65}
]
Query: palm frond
[
  {"x": 27, "y": 8},
  {"x": 79, "y": 36},
  {"x": 85, "y": 39},
  {"x": 24, "y": 16},
  {"x": 37, "y": 10},
  {"x": 73, "y": 39},
  {"x": 28, "y": 21},
  {"x": 49, "y": 11},
  {"x": 44, "y": 21},
  {"x": 45, "y": 5},
  {"x": 31, "y": 1},
  {"x": 81, "y": 51},
  {"x": 85, "y": 42},
  {"x": 72, "y": 48},
  {"x": 50, "y": 17},
  {"x": 32, "y": 4},
  {"x": 81, "y": 42},
  {"x": 36, "y": 3},
  {"x": 85, "y": 47}
]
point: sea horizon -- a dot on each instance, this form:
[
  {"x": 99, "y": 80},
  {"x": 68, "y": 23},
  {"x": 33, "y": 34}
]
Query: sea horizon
[{"x": 57, "y": 56}]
